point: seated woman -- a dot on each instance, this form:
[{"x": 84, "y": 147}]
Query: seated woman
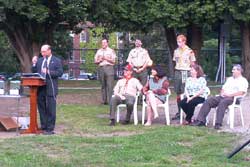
[
  {"x": 155, "y": 90},
  {"x": 194, "y": 92}
]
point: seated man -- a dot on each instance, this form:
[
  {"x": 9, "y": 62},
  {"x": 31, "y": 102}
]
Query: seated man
[
  {"x": 124, "y": 92},
  {"x": 236, "y": 85}
]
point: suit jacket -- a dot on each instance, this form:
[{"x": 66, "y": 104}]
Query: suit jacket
[{"x": 55, "y": 71}]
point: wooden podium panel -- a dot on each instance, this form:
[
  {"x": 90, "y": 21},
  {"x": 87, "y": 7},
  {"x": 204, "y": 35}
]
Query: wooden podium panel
[
  {"x": 33, "y": 83},
  {"x": 8, "y": 123}
]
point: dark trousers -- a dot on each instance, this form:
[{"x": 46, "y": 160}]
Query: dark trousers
[
  {"x": 142, "y": 77},
  {"x": 189, "y": 107},
  {"x": 106, "y": 76},
  {"x": 47, "y": 110},
  {"x": 217, "y": 101},
  {"x": 116, "y": 100}
]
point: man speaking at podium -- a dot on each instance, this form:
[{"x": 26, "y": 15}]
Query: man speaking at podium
[{"x": 50, "y": 67}]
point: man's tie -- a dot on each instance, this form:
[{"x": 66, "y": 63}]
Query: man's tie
[{"x": 44, "y": 65}]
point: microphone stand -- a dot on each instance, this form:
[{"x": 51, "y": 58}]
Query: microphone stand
[{"x": 235, "y": 151}]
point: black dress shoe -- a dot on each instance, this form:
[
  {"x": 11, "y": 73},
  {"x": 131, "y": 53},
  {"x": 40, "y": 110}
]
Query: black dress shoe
[
  {"x": 217, "y": 126},
  {"x": 112, "y": 122},
  {"x": 198, "y": 123},
  {"x": 48, "y": 132},
  {"x": 177, "y": 116},
  {"x": 125, "y": 122}
]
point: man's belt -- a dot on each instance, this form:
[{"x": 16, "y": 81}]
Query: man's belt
[
  {"x": 106, "y": 65},
  {"x": 137, "y": 67}
]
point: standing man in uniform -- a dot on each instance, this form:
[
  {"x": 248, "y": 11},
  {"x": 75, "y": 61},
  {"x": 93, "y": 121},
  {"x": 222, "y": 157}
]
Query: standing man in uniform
[
  {"x": 183, "y": 57},
  {"x": 50, "y": 67},
  {"x": 105, "y": 58},
  {"x": 140, "y": 60}
]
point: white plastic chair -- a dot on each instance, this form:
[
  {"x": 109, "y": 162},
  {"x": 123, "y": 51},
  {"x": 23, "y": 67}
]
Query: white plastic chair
[
  {"x": 164, "y": 105},
  {"x": 124, "y": 106},
  {"x": 207, "y": 90},
  {"x": 231, "y": 109}
]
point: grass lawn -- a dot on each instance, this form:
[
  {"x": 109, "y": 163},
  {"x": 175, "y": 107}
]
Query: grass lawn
[{"x": 84, "y": 139}]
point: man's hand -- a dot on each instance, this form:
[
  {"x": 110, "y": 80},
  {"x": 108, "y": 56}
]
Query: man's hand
[
  {"x": 34, "y": 60},
  {"x": 44, "y": 70}
]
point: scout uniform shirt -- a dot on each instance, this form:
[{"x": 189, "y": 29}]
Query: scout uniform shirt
[
  {"x": 183, "y": 58},
  {"x": 129, "y": 87},
  {"x": 108, "y": 52},
  {"x": 138, "y": 57}
]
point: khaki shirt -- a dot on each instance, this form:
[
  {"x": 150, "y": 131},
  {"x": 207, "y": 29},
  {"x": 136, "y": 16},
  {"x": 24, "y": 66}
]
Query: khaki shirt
[
  {"x": 183, "y": 58},
  {"x": 129, "y": 87},
  {"x": 107, "y": 53},
  {"x": 138, "y": 57}
]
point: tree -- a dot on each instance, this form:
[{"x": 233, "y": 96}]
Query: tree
[
  {"x": 133, "y": 15},
  {"x": 29, "y": 24},
  {"x": 7, "y": 56},
  {"x": 240, "y": 11}
]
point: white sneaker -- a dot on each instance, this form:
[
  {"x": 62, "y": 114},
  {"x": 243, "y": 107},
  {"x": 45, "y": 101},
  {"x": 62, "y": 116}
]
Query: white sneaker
[
  {"x": 156, "y": 115},
  {"x": 147, "y": 124}
]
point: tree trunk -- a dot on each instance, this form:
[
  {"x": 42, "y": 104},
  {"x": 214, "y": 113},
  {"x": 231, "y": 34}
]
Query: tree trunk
[
  {"x": 27, "y": 38},
  {"x": 245, "y": 38},
  {"x": 24, "y": 49},
  {"x": 194, "y": 36},
  {"x": 171, "y": 45}
]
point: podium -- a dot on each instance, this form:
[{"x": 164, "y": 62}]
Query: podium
[{"x": 33, "y": 83}]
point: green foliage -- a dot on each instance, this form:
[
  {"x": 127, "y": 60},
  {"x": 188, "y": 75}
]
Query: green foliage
[
  {"x": 62, "y": 43},
  {"x": 210, "y": 57},
  {"x": 8, "y": 59},
  {"x": 240, "y": 10},
  {"x": 90, "y": 47}
]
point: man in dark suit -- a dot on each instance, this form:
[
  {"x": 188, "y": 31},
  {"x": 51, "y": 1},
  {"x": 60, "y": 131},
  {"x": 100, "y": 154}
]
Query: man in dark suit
[{"x": 50, "y": 67}]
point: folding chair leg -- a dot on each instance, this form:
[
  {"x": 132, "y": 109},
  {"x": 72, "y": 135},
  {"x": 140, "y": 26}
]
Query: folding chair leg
[
  {"x": 214, "y": 118},
  {"x": 143, "y": 115},
  {"x": 242, "y": 118},
  {"x": 118, "y": 114},
  {"x": 167, "y": 115},
  {"x": 135, "y": 117},
  {"x": 231, "y": 118},
  {"x": 181, "y": 116}
]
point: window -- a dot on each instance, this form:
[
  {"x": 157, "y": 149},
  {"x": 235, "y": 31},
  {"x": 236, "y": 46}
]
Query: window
[{"x": 84, "y": 36}]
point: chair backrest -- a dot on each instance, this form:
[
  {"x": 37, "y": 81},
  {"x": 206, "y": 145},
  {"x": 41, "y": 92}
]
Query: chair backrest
[
  {"x": 238, "y": 99},
  {"x": 207, "y": 90},
  {"x": 167, "y": 96},
  {"x": 136, "y": 98}
]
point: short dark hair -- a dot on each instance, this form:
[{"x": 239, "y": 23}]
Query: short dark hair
[
  {"x": 105, "y": 39},
  {"x": 238, "y": 67},
  {"x": 160, "y": 71}
]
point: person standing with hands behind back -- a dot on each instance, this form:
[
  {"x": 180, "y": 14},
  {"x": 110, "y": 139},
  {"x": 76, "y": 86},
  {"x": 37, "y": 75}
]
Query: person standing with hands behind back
[
  {"x": 105, "y": 58},
  {"x": 140, "y": 60},
  {"x": 183, "y": 57},
  {"x": 50, "y": 67}
]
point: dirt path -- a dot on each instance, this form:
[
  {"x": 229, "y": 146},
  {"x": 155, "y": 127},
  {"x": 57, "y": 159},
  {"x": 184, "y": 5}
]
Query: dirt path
[{"x": 95, "y": 99}]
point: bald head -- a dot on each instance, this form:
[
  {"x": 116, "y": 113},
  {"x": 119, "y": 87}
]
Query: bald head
[{"x": 46, "y": 50}]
